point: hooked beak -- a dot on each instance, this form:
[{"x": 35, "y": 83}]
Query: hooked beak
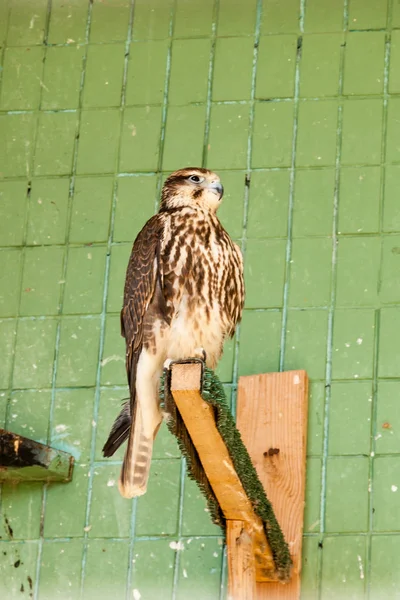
[{"x": 217, "y": 188}]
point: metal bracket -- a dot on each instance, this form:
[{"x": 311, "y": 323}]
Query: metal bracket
[{"x": 22, "y": 459}]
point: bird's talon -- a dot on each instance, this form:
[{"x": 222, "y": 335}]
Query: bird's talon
[
  {"x": 200, "y": 353},
  {"x": 167, "y": 363}
]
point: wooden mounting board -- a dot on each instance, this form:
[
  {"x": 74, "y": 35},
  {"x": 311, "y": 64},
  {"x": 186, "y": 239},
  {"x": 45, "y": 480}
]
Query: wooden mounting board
[
  {"x": 241, "y": 564},
  {"x": 272, "y": 420}
]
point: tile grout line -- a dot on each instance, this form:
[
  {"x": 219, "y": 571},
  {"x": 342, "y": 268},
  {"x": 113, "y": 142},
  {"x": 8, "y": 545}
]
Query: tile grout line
[
  {"x": 141, "y": 538},
  {"x": 28, "y": 178},
  {"x": 378, "y": 312},
  {"x": 123, "y": 174},
  {"x": 62, "y": 293},
  {"x": 56, "y": 341},
  {"x": 277, "y": 100},
  {"x": 329, "y": 342},
  {"x": 180, "y": 522},
  {"x": 172, "y": 538},
  {"x": 287, "y": 100},
  {"x": 269, "y": 309},
  {"x": 15, "y": 318},
  {"x": 121, "y": 387},
  {"x": 302, "y": 14},
  {"x": 3, "y": 47},
  {"x": 292, "y": 171},
  {"x": 210, "y": 76},
  {"x": 164, "y": 111},
  {"x": 368, "y": 536},
  {"x": 103, "y": 314},
  {"x": 246, "y": 193},
  {"x": 21, "y": 250},
  {"x": 246, "y": 199},
  {"x": 132, "y": 538},
  {"x": 201, "y": 36},
  {"x": 124, "y": 242}
]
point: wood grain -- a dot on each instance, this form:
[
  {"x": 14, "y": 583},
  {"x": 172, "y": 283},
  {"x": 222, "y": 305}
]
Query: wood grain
[
  {"x": 185, "y": 376},
  {"x": 272, "y": 419},
  {"x": 241, "y": 564}
]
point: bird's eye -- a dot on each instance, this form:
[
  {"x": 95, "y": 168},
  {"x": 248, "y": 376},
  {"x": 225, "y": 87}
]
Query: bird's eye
[{"x": 195, "y": 179}]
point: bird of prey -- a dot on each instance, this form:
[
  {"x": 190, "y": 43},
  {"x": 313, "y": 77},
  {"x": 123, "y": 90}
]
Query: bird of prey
[{"x": 183, "y": 296}]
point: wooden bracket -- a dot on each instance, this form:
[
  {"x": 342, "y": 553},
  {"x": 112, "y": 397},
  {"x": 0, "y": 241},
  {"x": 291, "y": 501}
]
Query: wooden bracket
[
  {"x": 22, "y": 459},
  {"x": 272, "y": 420}
]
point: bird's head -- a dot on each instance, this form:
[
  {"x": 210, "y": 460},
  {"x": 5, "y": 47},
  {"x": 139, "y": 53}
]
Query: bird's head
[{"x": 192, "y": 186}]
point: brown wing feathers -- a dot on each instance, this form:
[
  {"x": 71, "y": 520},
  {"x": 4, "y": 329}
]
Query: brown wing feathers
[
  {"x": 141, "y": 276},
  {"x": 119, "y": 431}
]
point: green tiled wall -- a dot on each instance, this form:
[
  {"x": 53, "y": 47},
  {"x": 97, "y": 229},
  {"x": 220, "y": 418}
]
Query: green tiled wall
[{"x": 296, "y": 103}]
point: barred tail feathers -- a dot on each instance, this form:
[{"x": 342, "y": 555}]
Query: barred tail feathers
[
  {"x": 145, "y": 424},
  {"x": 137, "y": 461}
]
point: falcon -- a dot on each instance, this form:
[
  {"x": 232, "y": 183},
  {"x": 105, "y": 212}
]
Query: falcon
[{"x": 183, "y": 296}]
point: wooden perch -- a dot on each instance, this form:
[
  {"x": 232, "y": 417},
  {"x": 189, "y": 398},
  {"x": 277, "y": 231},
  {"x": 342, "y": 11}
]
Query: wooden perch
[
  {"x": 22, "y": 459},
  {"x": 272, "y": 418},
  {"x": 199, "y": 421}
]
